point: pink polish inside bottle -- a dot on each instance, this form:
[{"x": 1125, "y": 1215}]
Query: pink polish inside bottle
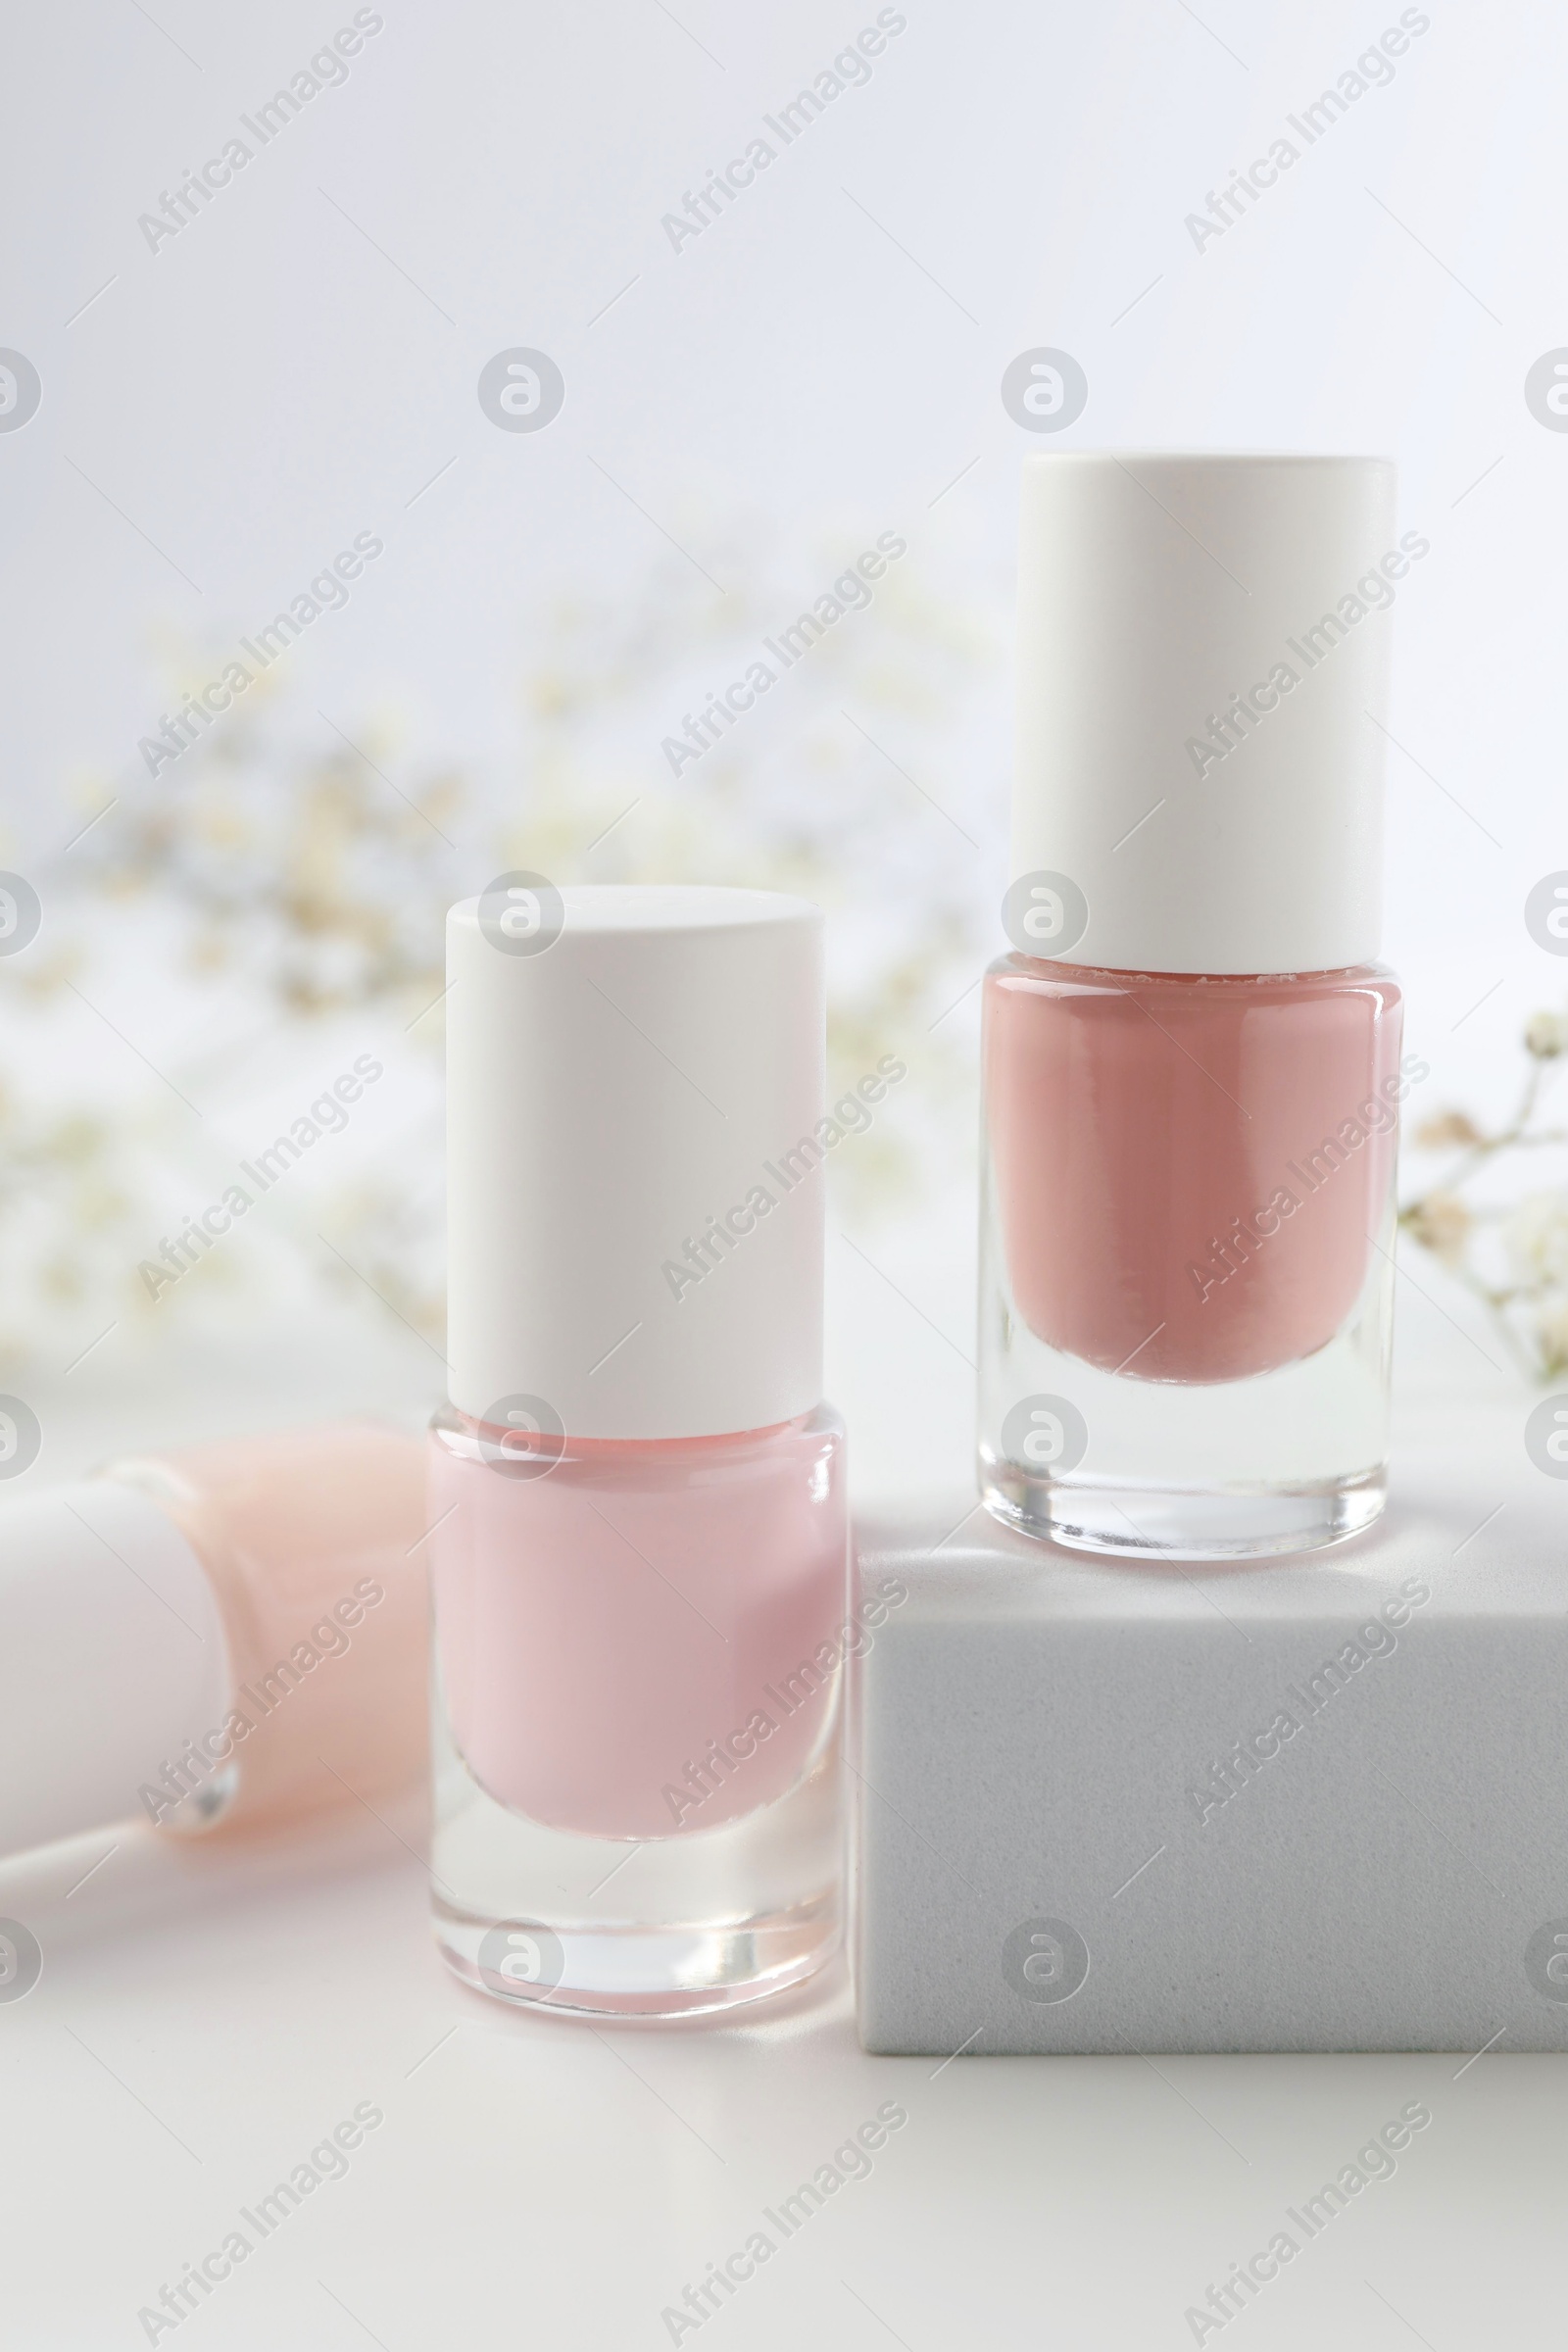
[
  {"x": 311, "y": 1539},
  {"x": 630, "y": 1639},
  {"x": 1191, "y": 1173}
]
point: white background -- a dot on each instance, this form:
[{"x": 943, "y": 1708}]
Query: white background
[{"x": 819, "y": 366}]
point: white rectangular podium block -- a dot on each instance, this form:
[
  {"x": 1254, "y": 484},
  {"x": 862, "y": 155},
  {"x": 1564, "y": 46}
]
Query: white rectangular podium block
[{"x": 1315, "y": 1804}]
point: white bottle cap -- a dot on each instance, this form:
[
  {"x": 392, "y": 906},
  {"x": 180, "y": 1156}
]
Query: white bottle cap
[
  {"x": 112, "y": 1657},
  {"x": 1203, "y": 662},
  {"x": 635, "y": 1196}
]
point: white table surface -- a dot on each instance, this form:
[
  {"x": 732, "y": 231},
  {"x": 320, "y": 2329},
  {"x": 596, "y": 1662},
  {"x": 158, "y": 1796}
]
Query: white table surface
[{"x": 206, "y": 2017}]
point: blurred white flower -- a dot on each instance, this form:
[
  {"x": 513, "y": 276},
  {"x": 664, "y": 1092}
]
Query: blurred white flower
[
  {"x": 1551, "y": 1338},
  {"x": 1441, "y": 1222},
  {"x": 1445, "y": 1130},
  {"x": 1546, "y": 1035},
  {"x": 1534, "y": 1236}
]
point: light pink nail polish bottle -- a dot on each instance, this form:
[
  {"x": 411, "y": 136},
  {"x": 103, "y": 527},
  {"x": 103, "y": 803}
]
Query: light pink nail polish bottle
[
  {"x": 639, "y": 1544},
  {"x": 224, "y": 1637},
  {"x": 1192, "y": 1058}
]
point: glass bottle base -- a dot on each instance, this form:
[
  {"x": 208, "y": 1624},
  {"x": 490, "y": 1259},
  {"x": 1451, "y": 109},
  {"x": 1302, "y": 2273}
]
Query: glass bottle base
[
  {"x": 635, "y": 1927},
  {"x": 1146, "y": 1522},
  {"x": 655, "y": 1972}
]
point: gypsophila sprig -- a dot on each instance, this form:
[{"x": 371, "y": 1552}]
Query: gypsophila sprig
[{"x": 1510, "y": 1250}]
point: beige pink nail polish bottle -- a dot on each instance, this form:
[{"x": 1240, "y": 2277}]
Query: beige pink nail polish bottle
[
  {"x": 1191, "y": 1056},
  {"x": 222, "y": 1637}
]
